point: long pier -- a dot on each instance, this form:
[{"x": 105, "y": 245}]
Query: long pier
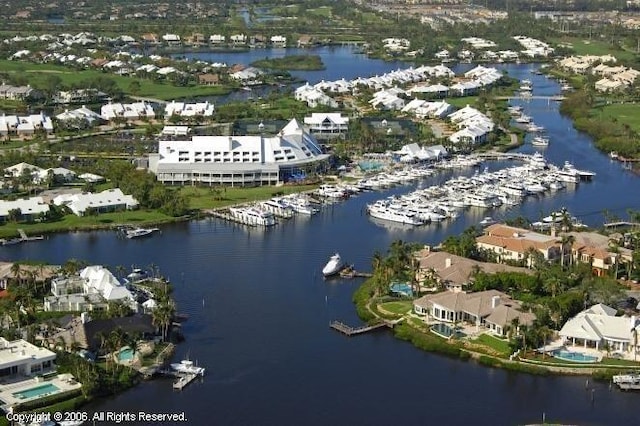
[{"x": 352, "y": 331}]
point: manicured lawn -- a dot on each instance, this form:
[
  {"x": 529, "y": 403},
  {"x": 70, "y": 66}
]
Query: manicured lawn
[
  {"x": 628, "y": 114},
  {"x": 37, "y": 74},
  {"x": 73, "y": 222},
  {"x": 616, "y": 361},
  {"x": 596, "y": 47},
  {"x": 501, "y": 346},
  {"x": 211, "y": 198},
  {"x": 400, "y": 307},
  {"x": 463, "y": 101}
]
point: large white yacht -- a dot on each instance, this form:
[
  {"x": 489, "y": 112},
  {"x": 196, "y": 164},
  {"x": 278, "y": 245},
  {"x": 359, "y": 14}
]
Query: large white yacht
[
  {"x": 187, "y": 367},
  {"x": 333, "y": 266},
  {"x": 253, "y": 216},
  {"x": 381, "y": 210}
]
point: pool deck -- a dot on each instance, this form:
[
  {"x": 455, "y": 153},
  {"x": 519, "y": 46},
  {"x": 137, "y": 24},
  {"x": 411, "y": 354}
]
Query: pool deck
[{"x": 64, "y": 383}]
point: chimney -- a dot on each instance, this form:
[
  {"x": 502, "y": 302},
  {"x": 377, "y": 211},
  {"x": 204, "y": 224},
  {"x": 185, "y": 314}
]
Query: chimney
[
  {"x": 632, "y": 322},
  {"x": 495, "y": 301},
  {"x": 447, "y": 262}
]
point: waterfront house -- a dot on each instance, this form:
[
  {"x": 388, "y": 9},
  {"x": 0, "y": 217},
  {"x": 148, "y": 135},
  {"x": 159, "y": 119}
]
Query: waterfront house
[
  {"x": 217, "y": 39},
  {"x": 238, "y": 39},
  {"x": 598, "y": 251},
  {"x": 19, "y": 358},
  {"x": 109, "y": 200},
  {"x": 278, "y": 41},
  {"x": 92, "y": 289},
  {"x": 171, "y": 39},
  {"x": 454, "y": 273},
  {"x": 514, "y": 244},
  {"x": 473, "y": 308},
  {"x": 85, "y": 333},
  {"x": 314, "y": 97},
  {"x": 28, "y": 209},
  {"x": 39, "y": 274},
  {"x": 238, "y": 160},
  {"x": 598, "y": 327}
]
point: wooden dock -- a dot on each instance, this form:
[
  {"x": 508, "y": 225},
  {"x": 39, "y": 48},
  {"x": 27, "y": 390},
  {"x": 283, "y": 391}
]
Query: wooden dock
[
  {"x": 350, "y": 272},
  {"x": 621, "y": 223},
  {"x": 352, "y": 331},
  {"x": 183, "y": 381}
]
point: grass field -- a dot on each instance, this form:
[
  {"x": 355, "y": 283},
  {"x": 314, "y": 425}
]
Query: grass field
[
  {"x": 628, "y": 114},
  {"x": 37, "y": 74},
  {"x": 400, "y": 307},
  {"x": 463, "y": 101},
  {"x": 501, "y": 346},
  {"x": 212, "y": 198},
  {"x": 596, "y": 47},
  {"x": 73, "y": 222}
]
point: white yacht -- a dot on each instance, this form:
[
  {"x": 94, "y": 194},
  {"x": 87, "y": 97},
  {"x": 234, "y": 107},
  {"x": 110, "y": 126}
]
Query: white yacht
[
  {"x": 187, "y": 367},
  {"x": 487, "y": 221},
  {"x": 381, "y": 210},
  {"x": 253, "y": 216},
  {"x": 333, "y": 266},
  {"x": 331, "y": 191},
  {"x": 139, "y": 232},
  {"x": 540, "y": 141}
]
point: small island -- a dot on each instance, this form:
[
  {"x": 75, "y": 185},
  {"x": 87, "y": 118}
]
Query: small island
[{"x": 291, "y": 63}]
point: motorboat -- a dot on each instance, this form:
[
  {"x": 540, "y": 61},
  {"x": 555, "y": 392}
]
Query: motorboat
[
  {"x": 333, "y": 266},
  {"x": 487, "y": 221},
  {"x": 187, "y": 366},
  {"x": 629, "y": 381},
  {"x": 139, "y": 232},
  {"x": 540, "y": 141},
  {"x": 137, "y": 274}
]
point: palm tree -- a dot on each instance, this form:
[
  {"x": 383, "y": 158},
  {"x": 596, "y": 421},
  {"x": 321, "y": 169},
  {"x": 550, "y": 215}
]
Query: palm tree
[{"x": 16, "y": 271}]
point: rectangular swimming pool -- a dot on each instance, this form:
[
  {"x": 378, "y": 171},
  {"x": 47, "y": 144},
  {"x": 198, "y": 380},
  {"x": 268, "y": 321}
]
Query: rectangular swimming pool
[{"x": 36, "y": 391}]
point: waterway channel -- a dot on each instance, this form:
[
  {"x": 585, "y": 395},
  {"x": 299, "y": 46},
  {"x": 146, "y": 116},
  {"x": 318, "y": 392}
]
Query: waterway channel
[{"x": 259, "y": 314}]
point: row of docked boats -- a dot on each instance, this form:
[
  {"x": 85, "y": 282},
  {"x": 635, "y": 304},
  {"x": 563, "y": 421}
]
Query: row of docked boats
[
  {"x": 482, "y": 190},
  {"x": 266, "y": 213}
]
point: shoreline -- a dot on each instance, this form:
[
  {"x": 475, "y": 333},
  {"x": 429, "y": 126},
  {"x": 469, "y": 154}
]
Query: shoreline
[{"x": 426, "y": 341}]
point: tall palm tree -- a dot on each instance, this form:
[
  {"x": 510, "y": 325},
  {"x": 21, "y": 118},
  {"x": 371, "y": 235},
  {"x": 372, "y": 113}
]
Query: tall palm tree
[{"x": 16, "y": 271}]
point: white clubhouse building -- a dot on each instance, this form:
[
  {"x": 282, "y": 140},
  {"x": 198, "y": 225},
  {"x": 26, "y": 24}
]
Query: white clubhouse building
[{"x": 238, "y": 160}]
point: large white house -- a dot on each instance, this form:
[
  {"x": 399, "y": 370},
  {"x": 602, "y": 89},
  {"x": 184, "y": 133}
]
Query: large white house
[
  {"x": 183, "y": 109},
  {"x": 327, "y": 123},
  {"x": 133, "y": 111},
  {"x": 238, "y": 160},
  {"x": 21, "y": 358},
  {"x": 29, "y": 208},
  {"x": 101, "y": 202},
  {"x": 599, "y": 327},
  {"x": 93, "y": 288}
]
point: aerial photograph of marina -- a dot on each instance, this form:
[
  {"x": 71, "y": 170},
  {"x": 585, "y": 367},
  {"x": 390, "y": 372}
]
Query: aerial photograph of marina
[{"x": 329, "y": 212}]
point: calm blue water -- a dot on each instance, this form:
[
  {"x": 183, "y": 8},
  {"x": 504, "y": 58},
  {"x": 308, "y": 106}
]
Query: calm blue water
[
  {"x": 340, "y": 61},
  {"x": 260, "y": 309}
]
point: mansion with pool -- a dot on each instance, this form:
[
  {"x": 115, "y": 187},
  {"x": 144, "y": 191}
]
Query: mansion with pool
[
  {"x": 27, "y": 373},
  {"x": 251, "y": 160}
]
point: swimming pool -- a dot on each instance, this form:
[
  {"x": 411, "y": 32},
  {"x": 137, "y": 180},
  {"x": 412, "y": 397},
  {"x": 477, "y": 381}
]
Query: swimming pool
[
  {"x": 446, "y": 331},
  {"x": 125, "y": 354},
  {"x": 574, "y": 356},
  {"x": 401, "y": 289},
  {"x": 37, "y": 391}
]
